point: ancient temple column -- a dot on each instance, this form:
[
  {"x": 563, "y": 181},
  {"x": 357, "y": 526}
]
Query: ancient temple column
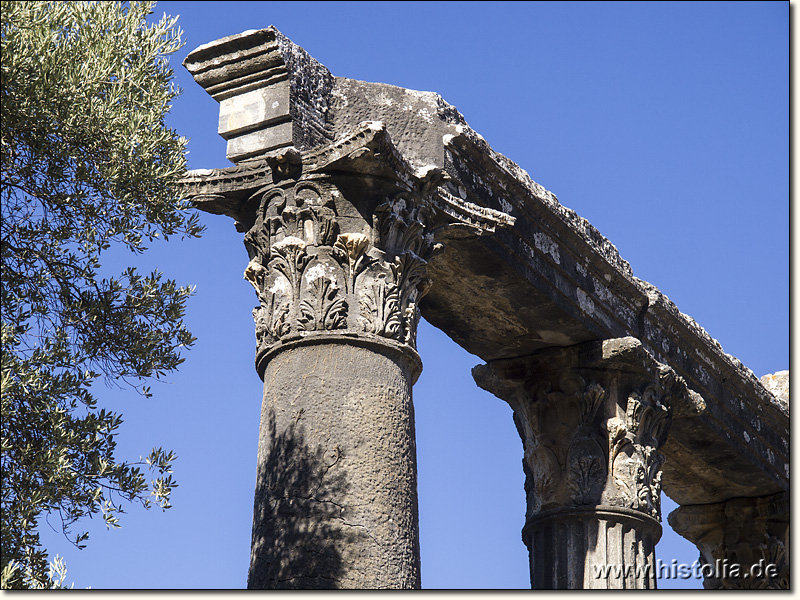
[
  {"x": 338, "y": 264},
  {"x": 743, "y": 543},
  {"x": 337, "y": 237},
  {"x": 592, "y": 418}
]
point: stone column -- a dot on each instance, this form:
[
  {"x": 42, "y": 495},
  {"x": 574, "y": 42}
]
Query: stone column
[
  {"x": 338, "y": 264},
  {"x": 339, "y": 239},
  {"x": 592, "y": 418},
  {"x": 743, "y": 543}
]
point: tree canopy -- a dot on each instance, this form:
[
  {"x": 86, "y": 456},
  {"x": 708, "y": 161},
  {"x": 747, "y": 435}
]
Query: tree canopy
[{"x": 87, "y": 163}]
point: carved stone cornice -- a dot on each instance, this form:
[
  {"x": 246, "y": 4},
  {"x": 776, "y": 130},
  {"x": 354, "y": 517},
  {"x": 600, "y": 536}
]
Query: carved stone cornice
[
  {"x": 367, "y": 151},
  {"x": 743, "y": 542}
]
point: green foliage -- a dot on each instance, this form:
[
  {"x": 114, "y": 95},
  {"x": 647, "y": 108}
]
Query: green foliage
[{"x": 87, "y": 162}]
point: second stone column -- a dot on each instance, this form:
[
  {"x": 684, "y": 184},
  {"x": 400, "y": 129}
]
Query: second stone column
[{"x": 591, "y": 418}]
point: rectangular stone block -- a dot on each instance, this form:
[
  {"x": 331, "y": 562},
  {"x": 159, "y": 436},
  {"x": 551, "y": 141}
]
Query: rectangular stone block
[
  {"x": 250, "y": 144},
  {"x": 253, "y": 110}
]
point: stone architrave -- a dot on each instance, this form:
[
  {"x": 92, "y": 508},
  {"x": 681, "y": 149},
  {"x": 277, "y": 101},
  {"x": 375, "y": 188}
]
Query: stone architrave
[
  {"x": 592, "y": 418},
  {"x": 743, "y": 543}
]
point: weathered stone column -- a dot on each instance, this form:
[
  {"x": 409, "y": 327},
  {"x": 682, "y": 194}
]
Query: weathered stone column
[
  {"x": 339, "y": 239},
  {"x": 743, "y": 543},
  {"x": 336, "y": 235},
  {"x": 338, "y": 269},
  {"x": 591, "y": 418}
]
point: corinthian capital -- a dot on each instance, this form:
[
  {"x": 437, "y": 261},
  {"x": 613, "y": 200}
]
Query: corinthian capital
[
  {"x": 318, "y": 270},
  {"x": 592, "y": 418},
  {"x": 339, "y": 236}
]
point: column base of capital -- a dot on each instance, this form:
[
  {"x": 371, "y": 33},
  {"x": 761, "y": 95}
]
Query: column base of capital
[{"x": 402, "y": 353}]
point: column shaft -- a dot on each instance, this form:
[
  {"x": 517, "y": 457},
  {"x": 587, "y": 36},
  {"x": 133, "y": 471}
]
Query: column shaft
[
  {"x": 335, "y": 502},
  {"x": 592, "y": 549}
]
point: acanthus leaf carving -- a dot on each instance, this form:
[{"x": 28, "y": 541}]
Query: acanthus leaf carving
[
  {"x": 586, "y": 477},
  {"x": 380, "y": 308},
  {"x": 350, "y": 251},
  {"x": 399, "y": 226},
  {"x": 410, "y": 276},
  {"x": 322, "y": 308},
  {"x": 290, "y": 258},
  {"x": 309, "y": 276},
  {"x": 633, "y": 442},
  {"x": 577, "y": 454},
  {"x": 567, "y": 461}
]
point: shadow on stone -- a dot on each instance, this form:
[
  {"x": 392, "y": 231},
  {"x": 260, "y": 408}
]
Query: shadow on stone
[{"x": 299, "y": 529}]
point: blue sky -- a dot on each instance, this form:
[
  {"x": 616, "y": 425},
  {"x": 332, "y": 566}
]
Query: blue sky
[{"x": 666, "y": 125}]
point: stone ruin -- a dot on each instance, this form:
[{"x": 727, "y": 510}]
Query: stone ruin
[{"x": 364, "y": 206}]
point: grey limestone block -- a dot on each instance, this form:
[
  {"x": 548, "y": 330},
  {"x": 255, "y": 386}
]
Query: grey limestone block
[{"x": 272, "y": 94}]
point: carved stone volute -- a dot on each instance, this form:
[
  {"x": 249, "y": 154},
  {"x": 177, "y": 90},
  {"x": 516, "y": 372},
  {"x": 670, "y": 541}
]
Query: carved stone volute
[
  {"x": 634, "y": 460},
  {"x": 305, "y": 211}
]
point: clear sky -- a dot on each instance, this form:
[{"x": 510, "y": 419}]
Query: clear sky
[{"x": 666, "y": 125}]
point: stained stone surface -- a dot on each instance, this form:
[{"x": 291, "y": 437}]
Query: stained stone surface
[
  {"x": 520, "y": 272},
  {"x": 272, "y": 94},
  {"x": 335, "y": 501},
  {"x": 778, "y": 385}
]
